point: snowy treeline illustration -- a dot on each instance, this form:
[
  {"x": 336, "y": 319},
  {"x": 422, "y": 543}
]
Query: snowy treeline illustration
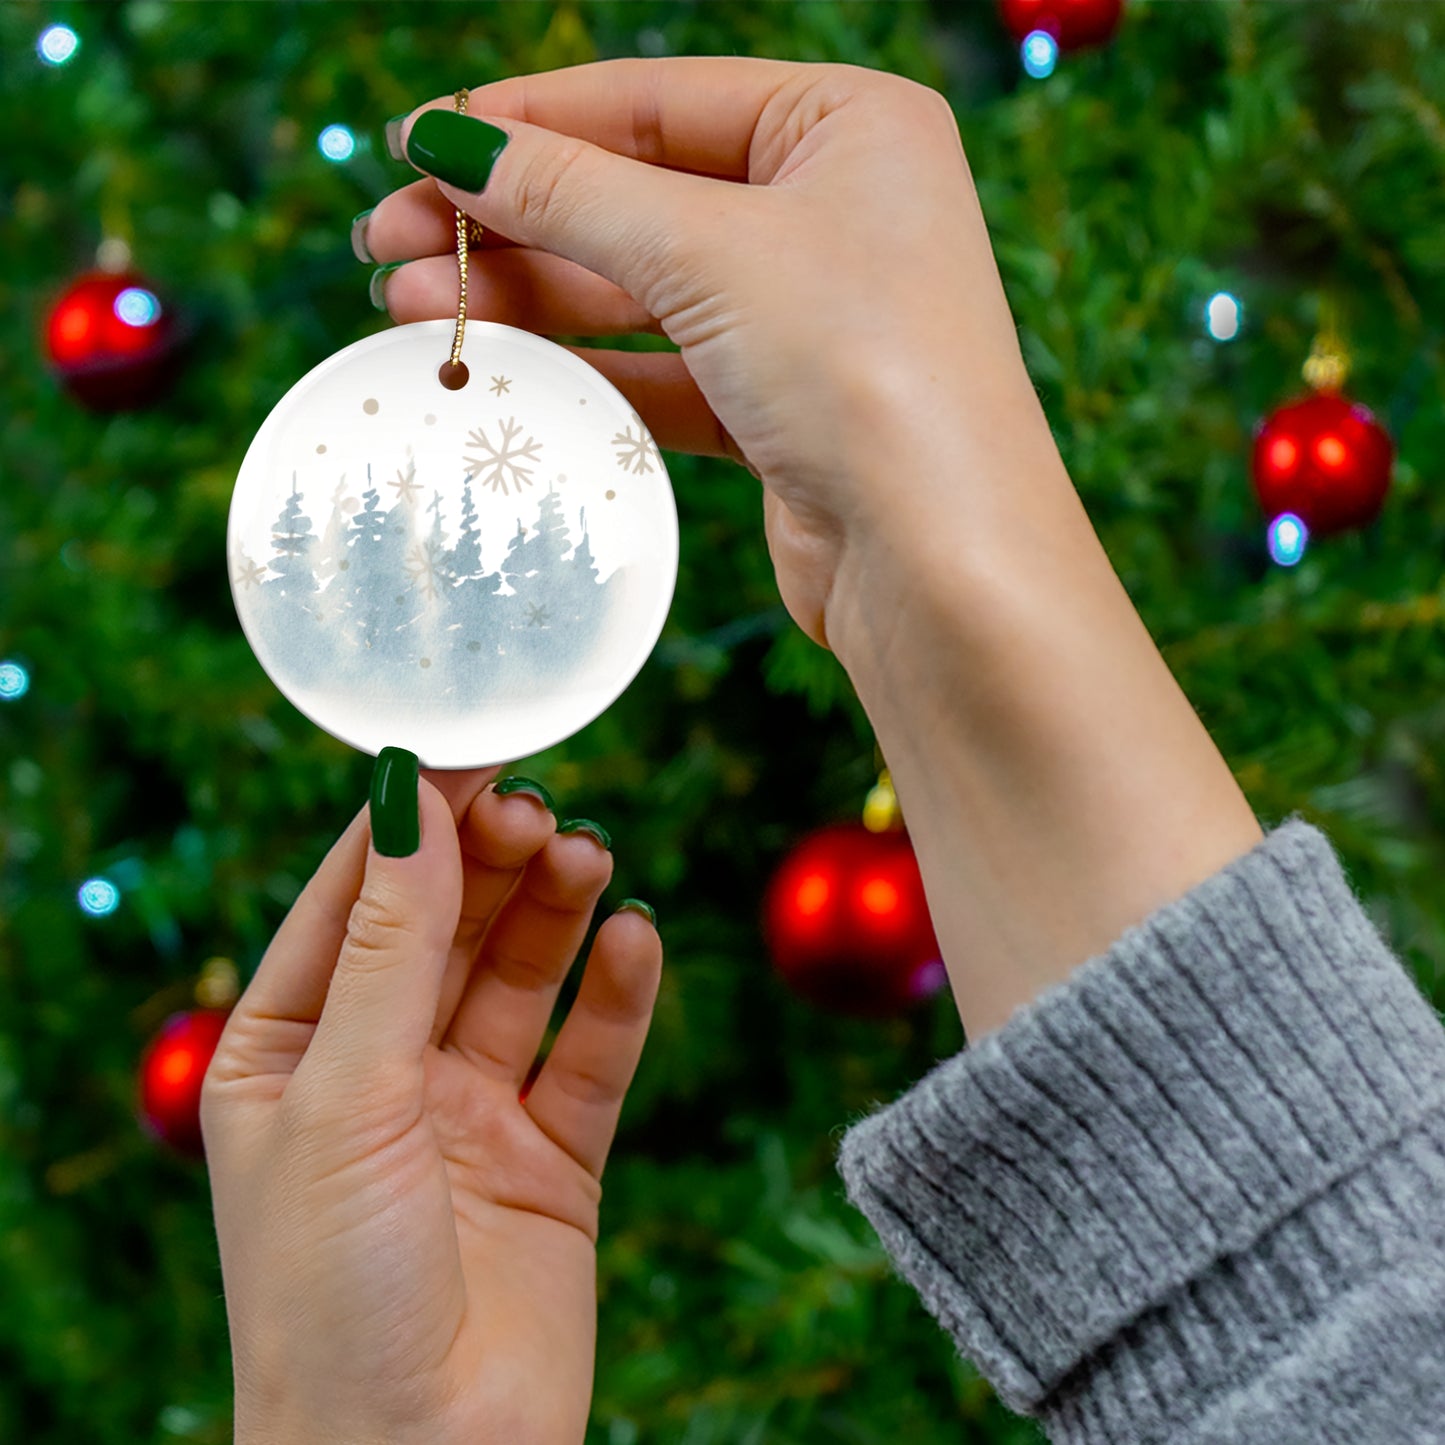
[{"x": 392, "y": 603}]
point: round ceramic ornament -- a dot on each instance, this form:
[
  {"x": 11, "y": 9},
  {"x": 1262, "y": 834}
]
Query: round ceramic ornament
[{"x": 470, "y": 573}]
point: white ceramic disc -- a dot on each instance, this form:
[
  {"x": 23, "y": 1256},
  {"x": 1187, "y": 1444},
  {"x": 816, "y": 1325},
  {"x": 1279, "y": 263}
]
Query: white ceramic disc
[{"x": 471, "y": 574}]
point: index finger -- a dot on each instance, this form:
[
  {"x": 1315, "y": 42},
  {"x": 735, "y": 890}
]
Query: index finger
[
  {"x": 687, "y": 112},
  {"x": 460, "y": 787}
]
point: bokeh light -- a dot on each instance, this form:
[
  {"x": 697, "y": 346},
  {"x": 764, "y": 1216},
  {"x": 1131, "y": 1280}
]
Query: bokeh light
[
  {"x": 1223, "y": 316},
  {"x": 138, "y": 307},
  {"x": 176, "y": 1067},
  {"x": 1040, "y": 54},
  {"x": 14, "y": 681},
  {"x": 1288, "y": 536},
  {"x": 1282, "y": 454},
  {"x": 879, "y": 897},
  {"x": 812, "y": 895},
  {"x": 98, "y": 897},
  {"x": 336, "y": 143},
  {"x": 930, "y": 977},
  {"x": 57, "y": 44}
]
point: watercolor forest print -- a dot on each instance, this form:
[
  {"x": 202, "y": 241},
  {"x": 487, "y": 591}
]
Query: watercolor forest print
[{"x": 397, "y": 604}]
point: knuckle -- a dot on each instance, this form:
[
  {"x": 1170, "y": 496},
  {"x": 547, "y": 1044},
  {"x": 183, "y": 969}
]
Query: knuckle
[
  {"x": 842, "y": 76},
  {"x": 906, "y": 99},
  {"x": 935, "y": 105},
  {"x": 374, "y": 934},
  {"x": 542, "y": 189},
  {"x": 224, "y": 1069},
  {"x": 915, "y": 99}
]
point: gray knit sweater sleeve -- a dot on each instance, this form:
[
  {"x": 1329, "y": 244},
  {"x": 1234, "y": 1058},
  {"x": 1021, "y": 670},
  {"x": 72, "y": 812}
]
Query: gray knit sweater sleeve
[{"x": 1196, "y": 1192}]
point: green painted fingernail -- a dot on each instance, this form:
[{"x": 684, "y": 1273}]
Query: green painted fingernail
[
  {"x": 359, "y": 247},
  {"x": 393, "y": 136},
  {"x": 525, "y": 785},
  {"x": 395, "y": 809},
  {"x": 455, "y": 148},
  {"x": 636, "y": 905},
  {"x": 377, "y": 289},
  {"x": 586, "y": 825}
]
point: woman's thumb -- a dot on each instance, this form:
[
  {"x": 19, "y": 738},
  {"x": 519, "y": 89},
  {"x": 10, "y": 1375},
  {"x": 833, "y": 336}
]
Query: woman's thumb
[
  {"x": 382, "y": 999},
  {"x": 620, "y": 218}
]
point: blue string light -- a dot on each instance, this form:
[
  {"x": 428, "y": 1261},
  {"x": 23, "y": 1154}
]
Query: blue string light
[
  {"x": 57, "y": 44},
  {"x": 1223, "y": 316},
  {"x": 1288, "y": 536},
  {"x": 138, "y": 307},
  {"x": 14, "y": 681},
  {"x": 1040, "y": 54},
  {"x": 336, "y": 143},
  {"x": 98, "y": 897}
]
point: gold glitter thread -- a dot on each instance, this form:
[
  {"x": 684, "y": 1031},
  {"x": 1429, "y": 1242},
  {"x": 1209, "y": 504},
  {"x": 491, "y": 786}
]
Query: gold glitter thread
[{"x": 469, "y": 233}]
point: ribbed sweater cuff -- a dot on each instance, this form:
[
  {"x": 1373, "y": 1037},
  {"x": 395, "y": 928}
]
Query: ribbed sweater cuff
[{"x": 1171, "y": 1109}]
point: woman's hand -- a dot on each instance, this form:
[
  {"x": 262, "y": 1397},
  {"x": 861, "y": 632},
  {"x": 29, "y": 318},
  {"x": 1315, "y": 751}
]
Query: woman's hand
[
  {"x": 831, "y": 312},
  {"x": 407, "y": 1245},
  {"x": 810, "y": 237}
]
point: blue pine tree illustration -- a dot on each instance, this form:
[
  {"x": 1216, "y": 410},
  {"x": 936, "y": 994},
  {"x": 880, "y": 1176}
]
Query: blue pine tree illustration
[
  {"x": 398, "y": 615},
  {"x": 465, "y": 559},
  {"x": 292, "y": 539},
  {"x": 578, "y": 595},
  {"x": 331, "y": 546},
  {"x": 363, "y": 579},
  {"x": 286, "y": 602},
  {"x": 383, "y": 600},
  {"x": 584, "y": 568},
  {"x": 557, "y": 606},
  {"x": 533, "y": 563},
  {"x": 428, "y": 562},
  {"x": 471, "y": 611}
]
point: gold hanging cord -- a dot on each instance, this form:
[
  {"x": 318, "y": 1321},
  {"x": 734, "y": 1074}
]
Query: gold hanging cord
[{"x": 453, "y": 373}]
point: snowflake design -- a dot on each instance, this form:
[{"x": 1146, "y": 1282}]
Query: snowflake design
[
  {"x": 500, "y": 384},
  {"x": 426, "y": 566},
  {"x": 501, "y": 465},
  {"x": 406, "y": 485},
  {"x": 635, "y": 453},
  {"x": 537, "y": 616},
  {"x": 250, "y": 574}
]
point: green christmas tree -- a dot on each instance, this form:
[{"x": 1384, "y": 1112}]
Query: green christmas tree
[{"x": 1282, "y": 153}]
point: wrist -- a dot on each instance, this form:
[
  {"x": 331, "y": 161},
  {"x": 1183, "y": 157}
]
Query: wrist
[
  {"x": 952, "y": 475},
  {"x": 1057, "y": 784}
]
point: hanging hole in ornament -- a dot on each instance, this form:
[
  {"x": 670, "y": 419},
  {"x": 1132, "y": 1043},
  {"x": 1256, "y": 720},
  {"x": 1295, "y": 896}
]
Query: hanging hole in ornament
[{"x": 453, "y": 375}]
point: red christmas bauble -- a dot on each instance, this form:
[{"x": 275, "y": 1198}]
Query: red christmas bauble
[
  {"x": 111, "y": 341},
  {"x": 1073, "y": 23},
  {"x": 171, "y": 1072},
  {"x": 1324, "y": 458},
  {"x": 847, "y": 923}
]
